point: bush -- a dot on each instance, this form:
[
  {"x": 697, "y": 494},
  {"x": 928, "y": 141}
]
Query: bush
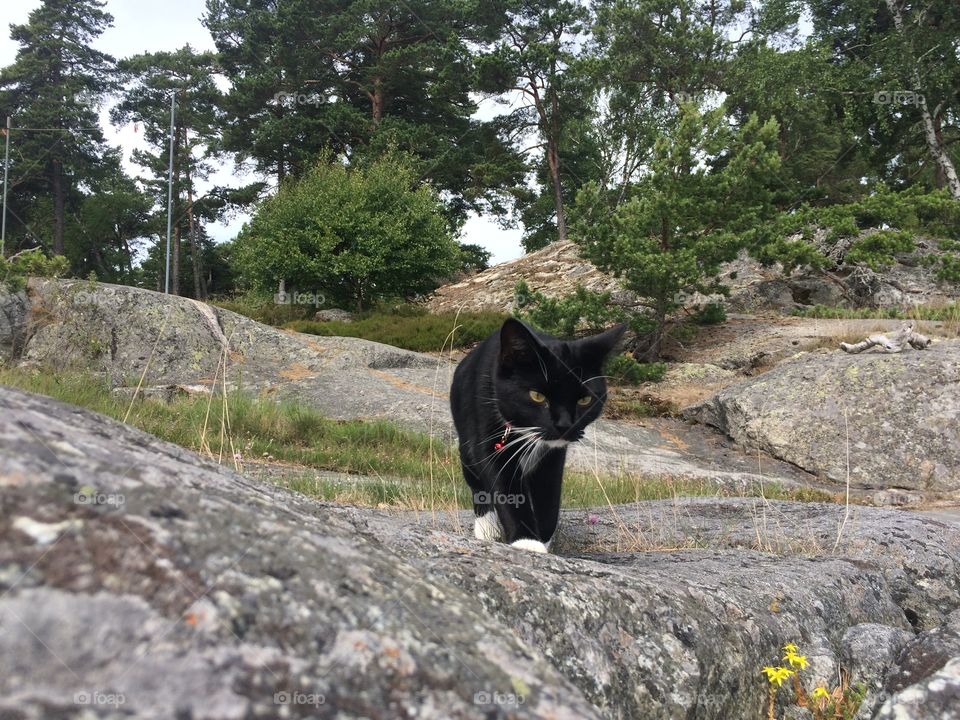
[
  {"x": 418, "y": 332},
  {"x": 585, "y": 311},
  {"x": 30, "y": 263},
  {"x": 624, "y": 370},
  {"x": 354, "y": 235},
  {"x": 711, "y": 314}
]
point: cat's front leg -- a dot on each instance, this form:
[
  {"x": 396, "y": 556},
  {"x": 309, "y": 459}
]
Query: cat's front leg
[{"x": 517, "y": 517}]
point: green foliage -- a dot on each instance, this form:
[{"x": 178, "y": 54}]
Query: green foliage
[
  {"x": 624, "y": 370},
  {"x": 372, "y": 76},
  {"x": 150, "y": 78},
  {"x": 711, "y": 314},
  {"x": 418, "y": 332},
  {"x": 353, "y": 235},
  {"x": 30, "y": 263},
  {"x": 473, "y": 258},
  {"x": 878, "y": 250},
  {"x": 704, "y": 199},
  {"x": 581, "y": 313},
  {"x": 949, "y": 266},
  {"x": 54, "y": 85},
  {"x": 933, "y": 313},
  {"x": 540, "y": 54},
  {"x": 901, "y": 216}
]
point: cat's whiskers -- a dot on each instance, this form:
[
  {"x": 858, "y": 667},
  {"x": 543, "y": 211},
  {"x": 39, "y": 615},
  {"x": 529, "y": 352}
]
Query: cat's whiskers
[
  {"x": 531, "y": 455},
  {"x": 518, "y": 435},
  {"x": 529, "y": 439}
]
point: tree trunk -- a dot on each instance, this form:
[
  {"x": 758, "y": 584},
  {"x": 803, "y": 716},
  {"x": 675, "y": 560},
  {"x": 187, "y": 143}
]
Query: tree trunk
[
  {"x": 376, "y": 99},
  {"x": 945, "y": 166},
  {"x": 56, "y": 186},
  {"x": 199, "y": 291},
  {"x": 97, "y": 256},
  {"x": 656, "y": 345},
  {"x": 553, "y": 160},
  {"x": 129, "y": 255},
  {"x": 934, "y": 143}
]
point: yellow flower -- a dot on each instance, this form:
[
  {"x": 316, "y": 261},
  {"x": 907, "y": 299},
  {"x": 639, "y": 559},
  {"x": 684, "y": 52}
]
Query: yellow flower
[
  {"x": 797, "y": 661},
  {"x": 790, "y": 648},
  {"x": 820, "y": 692},
  {"x": 776, "y": 675}
]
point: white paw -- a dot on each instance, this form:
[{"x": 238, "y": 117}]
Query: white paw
[
  {"x": 487, "y": 527},
  {"x": 531, "y": 545}
]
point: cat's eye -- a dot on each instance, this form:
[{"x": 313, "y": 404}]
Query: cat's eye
[
  {"x": 585, "y": 400},
  {"x": 537, "y": 397}
]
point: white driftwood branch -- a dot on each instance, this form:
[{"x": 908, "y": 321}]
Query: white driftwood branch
[{"x": 894, "y": 343}]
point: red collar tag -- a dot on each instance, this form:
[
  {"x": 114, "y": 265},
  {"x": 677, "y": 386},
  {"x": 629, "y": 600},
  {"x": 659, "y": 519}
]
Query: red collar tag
[{"x": 499, "y": 445}]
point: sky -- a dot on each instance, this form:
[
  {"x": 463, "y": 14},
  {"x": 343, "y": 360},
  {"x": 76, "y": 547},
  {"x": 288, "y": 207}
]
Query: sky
[{"x": 146, "y": 26}]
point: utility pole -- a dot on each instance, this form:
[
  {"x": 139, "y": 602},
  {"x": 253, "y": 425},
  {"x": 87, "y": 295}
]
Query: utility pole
[
  {"x": 6, "y": 179},
  {"x": 173, "y": 98}
]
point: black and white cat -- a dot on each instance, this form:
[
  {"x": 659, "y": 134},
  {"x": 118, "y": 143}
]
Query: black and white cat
[{"x": 518, "y": 399}]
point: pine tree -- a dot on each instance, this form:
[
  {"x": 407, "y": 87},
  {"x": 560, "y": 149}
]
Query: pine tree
[
  {"x": 536, "y": 56},
  {"x": 152, "y": 78},
  {"x": 51, "y": 91},
  {"x": 358, "y": 78}
]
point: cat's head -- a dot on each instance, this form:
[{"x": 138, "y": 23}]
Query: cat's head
[{"x": 550, "y": 384}]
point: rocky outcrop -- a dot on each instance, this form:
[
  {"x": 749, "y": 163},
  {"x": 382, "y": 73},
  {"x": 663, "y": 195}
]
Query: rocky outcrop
[
  {"x": 14, "y": 309},
  {"x": 926, "y": 679},
  {"x": 177, "y": 345},
  {"x": 555, "y": 269},
  {"x": 139, "y": 579},
  {"x": 893, "y": 420}
]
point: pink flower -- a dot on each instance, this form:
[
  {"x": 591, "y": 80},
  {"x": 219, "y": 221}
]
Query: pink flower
[{"x": 593, "y": 519}]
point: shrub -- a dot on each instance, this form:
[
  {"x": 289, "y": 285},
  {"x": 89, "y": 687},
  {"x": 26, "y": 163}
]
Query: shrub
[
  {"x": 263, "y": 308},
  {"x": 585, "y": 311},
  {"x": 30, "y": 263},
  {"x": 711, "y": 314},
  {"x": 355, "y": 235},
  {"x": 624, "y": 370}
]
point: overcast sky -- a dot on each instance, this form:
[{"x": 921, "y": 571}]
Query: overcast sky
[{"x": 148, "y": 26}]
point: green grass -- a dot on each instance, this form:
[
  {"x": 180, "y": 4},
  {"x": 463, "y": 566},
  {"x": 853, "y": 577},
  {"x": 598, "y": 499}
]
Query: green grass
[
  {"x": 420, "y": 332},
  {"x": 285, "y": 431},
  {"x": 400, "y": 468},
  {"x": 928, "y": 313},
  {"x": 404, "y": 325},
  {"x": 263, "y": 309}
]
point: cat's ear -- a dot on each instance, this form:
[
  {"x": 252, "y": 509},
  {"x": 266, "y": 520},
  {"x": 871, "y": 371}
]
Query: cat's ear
[
  {"x": 518, "y": 345},
  {"x": 595, "y": 349}
]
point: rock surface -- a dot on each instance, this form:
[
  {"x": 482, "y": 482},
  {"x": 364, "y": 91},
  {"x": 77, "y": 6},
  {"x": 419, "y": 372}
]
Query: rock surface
[
  {"x": 926, "y": 680},
  {"x": 178, "y": 345},
  {"x": 13, "y": 323},
  {"x": 898, "y": 416},
  {"x": 176, "y": 588}
]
